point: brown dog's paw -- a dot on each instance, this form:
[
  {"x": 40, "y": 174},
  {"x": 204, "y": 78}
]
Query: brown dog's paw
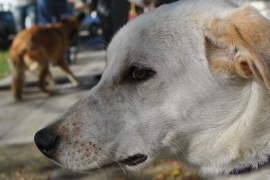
[{"x": 75, "y": 83}]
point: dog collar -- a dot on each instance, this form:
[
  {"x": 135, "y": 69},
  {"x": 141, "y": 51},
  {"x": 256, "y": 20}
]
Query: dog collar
[{"x": 249, "y": 168}]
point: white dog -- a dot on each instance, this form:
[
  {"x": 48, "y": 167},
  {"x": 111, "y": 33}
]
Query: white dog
[{"x": 188, "y": 81}]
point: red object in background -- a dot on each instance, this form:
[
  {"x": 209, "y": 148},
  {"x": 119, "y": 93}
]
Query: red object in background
[
  {"x": 132, "y": 16},
  {"x": 132, "y": 12}
]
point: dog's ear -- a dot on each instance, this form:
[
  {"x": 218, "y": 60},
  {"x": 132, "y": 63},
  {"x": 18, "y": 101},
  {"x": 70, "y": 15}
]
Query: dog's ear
[{"x": 240, "y": 44}]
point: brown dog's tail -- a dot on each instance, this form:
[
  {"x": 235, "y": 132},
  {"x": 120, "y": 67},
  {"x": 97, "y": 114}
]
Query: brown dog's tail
[{"x": 18, "y": 79}]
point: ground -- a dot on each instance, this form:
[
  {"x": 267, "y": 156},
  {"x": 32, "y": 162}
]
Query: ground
[{"x": 25, "y": 162}]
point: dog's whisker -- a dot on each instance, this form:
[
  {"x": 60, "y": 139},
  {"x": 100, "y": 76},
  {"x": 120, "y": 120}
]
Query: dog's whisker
[
  {"x": 117, "y": 161},
  {"x": 175, "y": 142},
  {"x": 101, "y": 170},
  {"x": 112, "y": 151},
  {"x": 114, "y": 159},
  {"x": 175, "y": 152}
]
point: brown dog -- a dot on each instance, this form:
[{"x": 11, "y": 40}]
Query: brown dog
[{"x": 34, "y": 48}]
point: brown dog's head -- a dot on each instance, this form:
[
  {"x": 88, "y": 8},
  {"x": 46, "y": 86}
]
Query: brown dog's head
[{"x": 71, "y": 25}]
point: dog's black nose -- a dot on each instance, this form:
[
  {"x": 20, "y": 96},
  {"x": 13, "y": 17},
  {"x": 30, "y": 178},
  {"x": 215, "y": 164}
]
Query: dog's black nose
[{"x": 46, "y": 141}]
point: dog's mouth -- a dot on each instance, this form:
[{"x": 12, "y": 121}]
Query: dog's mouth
[
  {"x": 134, "y": 160},
  {"x": 129, "y": 161}
]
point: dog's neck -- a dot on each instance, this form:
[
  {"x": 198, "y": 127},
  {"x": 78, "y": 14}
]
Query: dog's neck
[
  {"x": 242, "y": 142},
  {"x": 257, "y": 109},
  {"x": 253, "y": 132},
  {"x": 257, "y": 115}
]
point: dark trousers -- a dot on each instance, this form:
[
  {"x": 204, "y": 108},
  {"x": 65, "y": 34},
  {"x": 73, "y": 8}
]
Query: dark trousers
[
  {"x": 50, "y": 11},
  {"x": 118, "y": 17},
  {"x": 119, "y": 14}
]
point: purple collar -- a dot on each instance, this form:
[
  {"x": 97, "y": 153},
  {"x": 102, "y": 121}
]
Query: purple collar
[{"x": 249, "y": 168}]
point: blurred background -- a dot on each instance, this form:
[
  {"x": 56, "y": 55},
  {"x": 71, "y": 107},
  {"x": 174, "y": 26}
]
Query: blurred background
[{"x": 86, "y": 56}]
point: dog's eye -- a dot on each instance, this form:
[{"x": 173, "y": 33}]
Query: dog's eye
[{"x": 140, "y": 73}]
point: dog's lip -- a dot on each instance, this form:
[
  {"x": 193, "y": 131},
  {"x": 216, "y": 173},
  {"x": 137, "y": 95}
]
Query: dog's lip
[
  {"x": 129, "y": 161},
  {"x": 134, "y": 160}
]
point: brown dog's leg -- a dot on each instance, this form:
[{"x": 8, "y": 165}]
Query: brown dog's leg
[
  {"x": 50, "y": 81},
  {"x": 18, "y": 80},
  {"x": 70, "y": 75},
  {"x": 42, "y": 76}
]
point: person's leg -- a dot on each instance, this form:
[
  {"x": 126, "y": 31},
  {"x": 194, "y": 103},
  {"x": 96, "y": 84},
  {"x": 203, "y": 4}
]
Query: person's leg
[
  {"x": 106, "y": 26},
  {"x": 70, "y": 8},
  {"x": 19, "y": 18},
  {"x": 31, "y": 12},
  {"x": 119, "y": 14},
  {"x": 60, "y": 9},
  {"x": 44, "y": 12}
]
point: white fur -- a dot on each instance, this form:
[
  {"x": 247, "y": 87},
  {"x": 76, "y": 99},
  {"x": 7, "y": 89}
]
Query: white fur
[{"x": 211, "y": 122}]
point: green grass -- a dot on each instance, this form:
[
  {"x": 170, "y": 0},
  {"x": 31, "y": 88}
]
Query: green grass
[{"x": 4, "y": 67}]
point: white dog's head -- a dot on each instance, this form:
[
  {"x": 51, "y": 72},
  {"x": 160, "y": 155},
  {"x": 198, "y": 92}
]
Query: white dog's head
[{"x": 183, "y": 81}]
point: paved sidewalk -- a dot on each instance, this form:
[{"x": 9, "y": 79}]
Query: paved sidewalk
[{"x": 19, "y": 121}]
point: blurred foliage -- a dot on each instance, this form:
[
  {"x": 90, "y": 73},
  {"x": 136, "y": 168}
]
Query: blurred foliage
[
  {"x": 170, "y": 170},
  {"x": 4, "y": 67},
  {"x": 158, "y": 170}
]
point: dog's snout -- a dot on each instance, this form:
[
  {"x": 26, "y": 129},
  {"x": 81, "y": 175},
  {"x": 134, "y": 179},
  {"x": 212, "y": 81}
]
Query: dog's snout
[{"x": 46, "y": 141}]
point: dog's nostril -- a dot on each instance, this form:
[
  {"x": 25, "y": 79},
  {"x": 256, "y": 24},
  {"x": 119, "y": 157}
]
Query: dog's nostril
[
  {"x": 134, "y": 160},
  {"x": 46, "y": 141}
]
